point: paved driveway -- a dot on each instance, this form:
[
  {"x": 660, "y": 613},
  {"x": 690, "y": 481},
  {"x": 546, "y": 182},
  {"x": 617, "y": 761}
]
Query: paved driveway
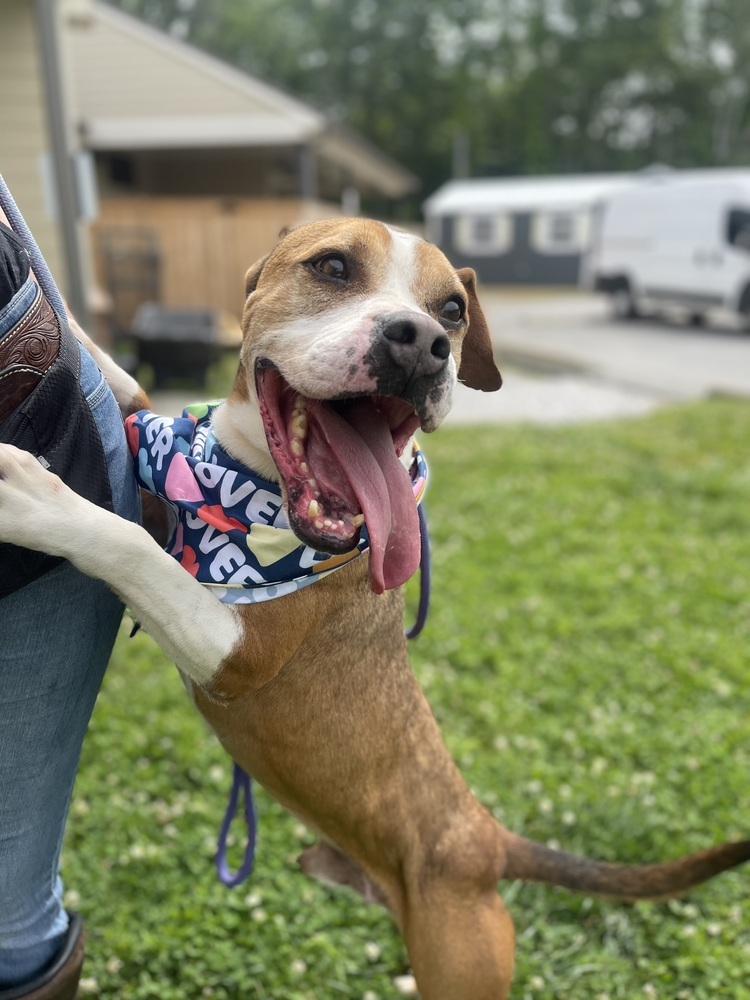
[
  {"x": 671, "y": 359},
  {"x": 566, "y": 360}
]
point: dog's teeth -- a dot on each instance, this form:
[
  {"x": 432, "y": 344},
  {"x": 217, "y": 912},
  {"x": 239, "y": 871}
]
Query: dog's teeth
[
  {"x": 327, "y": 523},
  {"x": 319, "y": 524},
  {"x": 304, "y": 468},
  {"x": 299, "y": 423},
  {"x": 314, "y": 509},
  {"x": 358, "y": 520},
  {"x": 296, "y": 447}
]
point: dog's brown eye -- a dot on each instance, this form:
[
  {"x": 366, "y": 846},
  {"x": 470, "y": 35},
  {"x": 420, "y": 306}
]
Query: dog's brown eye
[
  {"x": 332, "y": 267},
  {"x": 452, "y": 311}
]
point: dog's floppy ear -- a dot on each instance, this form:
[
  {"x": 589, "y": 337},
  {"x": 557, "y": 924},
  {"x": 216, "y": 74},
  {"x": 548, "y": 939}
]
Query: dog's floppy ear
[
  {"x": 477, "y": 368},
  {"x": 253, "y": 275}
]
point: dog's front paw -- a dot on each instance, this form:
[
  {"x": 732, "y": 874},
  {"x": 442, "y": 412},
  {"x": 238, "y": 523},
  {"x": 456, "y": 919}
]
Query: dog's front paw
[{"x": 36, "y": 507}]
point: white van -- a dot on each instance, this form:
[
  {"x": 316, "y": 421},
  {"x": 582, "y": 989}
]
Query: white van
[{"x": 675, "y": 239}]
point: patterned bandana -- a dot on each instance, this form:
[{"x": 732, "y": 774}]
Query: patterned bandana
[{"x": 232, "y": 532}]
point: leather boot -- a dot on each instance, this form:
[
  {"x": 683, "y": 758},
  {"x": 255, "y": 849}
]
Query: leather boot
[{"x": 59, "y": 981}]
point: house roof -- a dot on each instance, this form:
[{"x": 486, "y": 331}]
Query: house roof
[
  {"x": 523, "y": 193},
  {"x": 137, "y": 88}
]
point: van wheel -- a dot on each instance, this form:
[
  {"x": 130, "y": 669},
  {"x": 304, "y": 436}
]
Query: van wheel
[
  {"x": 697, "y": 319},
  {"x": 624, "y": 305}
]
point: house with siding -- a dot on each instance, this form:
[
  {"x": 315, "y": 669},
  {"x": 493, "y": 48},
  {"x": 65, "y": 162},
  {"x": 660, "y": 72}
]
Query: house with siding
[
  {"x": 195, "y": 166},
  {"x": 199, "y": 164},
  {"x": 26, "y": 160}
]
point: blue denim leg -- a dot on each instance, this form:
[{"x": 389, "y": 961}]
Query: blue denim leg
[
  {"x": 18, "y": 306},
  {"x": 56, "y": 635}
]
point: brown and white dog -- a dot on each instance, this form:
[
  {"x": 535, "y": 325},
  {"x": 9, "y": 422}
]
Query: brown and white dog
[{"x": 354, "y": 337}]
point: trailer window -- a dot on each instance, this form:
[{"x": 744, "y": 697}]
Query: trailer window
[
  {"x": 483, "y": 235},
  {"x": 738, "y": 228},
  {"x": 560, "y": 232}
]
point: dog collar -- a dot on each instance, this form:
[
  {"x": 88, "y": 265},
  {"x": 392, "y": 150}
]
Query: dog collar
[{"x": 231, "y": 530}]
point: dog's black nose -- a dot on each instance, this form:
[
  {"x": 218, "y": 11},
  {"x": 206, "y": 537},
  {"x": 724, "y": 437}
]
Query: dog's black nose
[{"x": 416, "y": 343}]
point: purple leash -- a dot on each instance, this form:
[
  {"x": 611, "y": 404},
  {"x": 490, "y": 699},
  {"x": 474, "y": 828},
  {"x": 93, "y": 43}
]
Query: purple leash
[
  {"x": 424, "y": 577},
  {"x": 241, "y": 780}
]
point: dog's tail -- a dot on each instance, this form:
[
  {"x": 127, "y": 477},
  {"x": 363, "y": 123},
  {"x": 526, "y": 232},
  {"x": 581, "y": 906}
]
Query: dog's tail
[{"x": 533, "y": 862}]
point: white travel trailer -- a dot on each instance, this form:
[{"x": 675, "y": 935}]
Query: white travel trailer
[
  {"x": 675, "y": 239},
  {"x": 519, "y": 230}
]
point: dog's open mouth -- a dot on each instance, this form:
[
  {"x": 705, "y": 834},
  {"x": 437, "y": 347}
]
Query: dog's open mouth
[{"x": 339, "y": 463}]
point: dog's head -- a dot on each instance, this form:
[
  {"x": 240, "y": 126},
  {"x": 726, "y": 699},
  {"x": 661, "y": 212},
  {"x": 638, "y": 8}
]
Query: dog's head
[{"x": 354, "y": 337}]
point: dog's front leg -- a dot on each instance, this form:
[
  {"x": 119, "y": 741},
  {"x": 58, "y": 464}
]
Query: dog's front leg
[{"x": 38, "y": 511}]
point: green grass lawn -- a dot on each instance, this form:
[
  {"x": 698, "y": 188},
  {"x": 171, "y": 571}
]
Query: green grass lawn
[{"x": 587, "y": 658}]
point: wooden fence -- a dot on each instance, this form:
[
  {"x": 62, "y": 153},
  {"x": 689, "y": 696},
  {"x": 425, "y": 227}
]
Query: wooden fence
[{"x": 202, "y": 246}]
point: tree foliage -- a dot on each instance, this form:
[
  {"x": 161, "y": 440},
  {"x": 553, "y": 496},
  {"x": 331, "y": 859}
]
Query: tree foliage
[{"x": 532, "y": 86}]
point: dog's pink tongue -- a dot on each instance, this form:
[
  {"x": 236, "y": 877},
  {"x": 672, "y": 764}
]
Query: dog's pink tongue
[{"x": 363, "y": 446}]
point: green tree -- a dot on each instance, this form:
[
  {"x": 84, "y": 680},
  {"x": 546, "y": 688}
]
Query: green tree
[{"x": 536, "y": 86}]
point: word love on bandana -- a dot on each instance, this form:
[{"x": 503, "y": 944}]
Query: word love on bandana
[{"x": 231, "y": 532}]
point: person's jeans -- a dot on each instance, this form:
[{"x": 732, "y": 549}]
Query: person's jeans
[{"x": 56, "y": 635}]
